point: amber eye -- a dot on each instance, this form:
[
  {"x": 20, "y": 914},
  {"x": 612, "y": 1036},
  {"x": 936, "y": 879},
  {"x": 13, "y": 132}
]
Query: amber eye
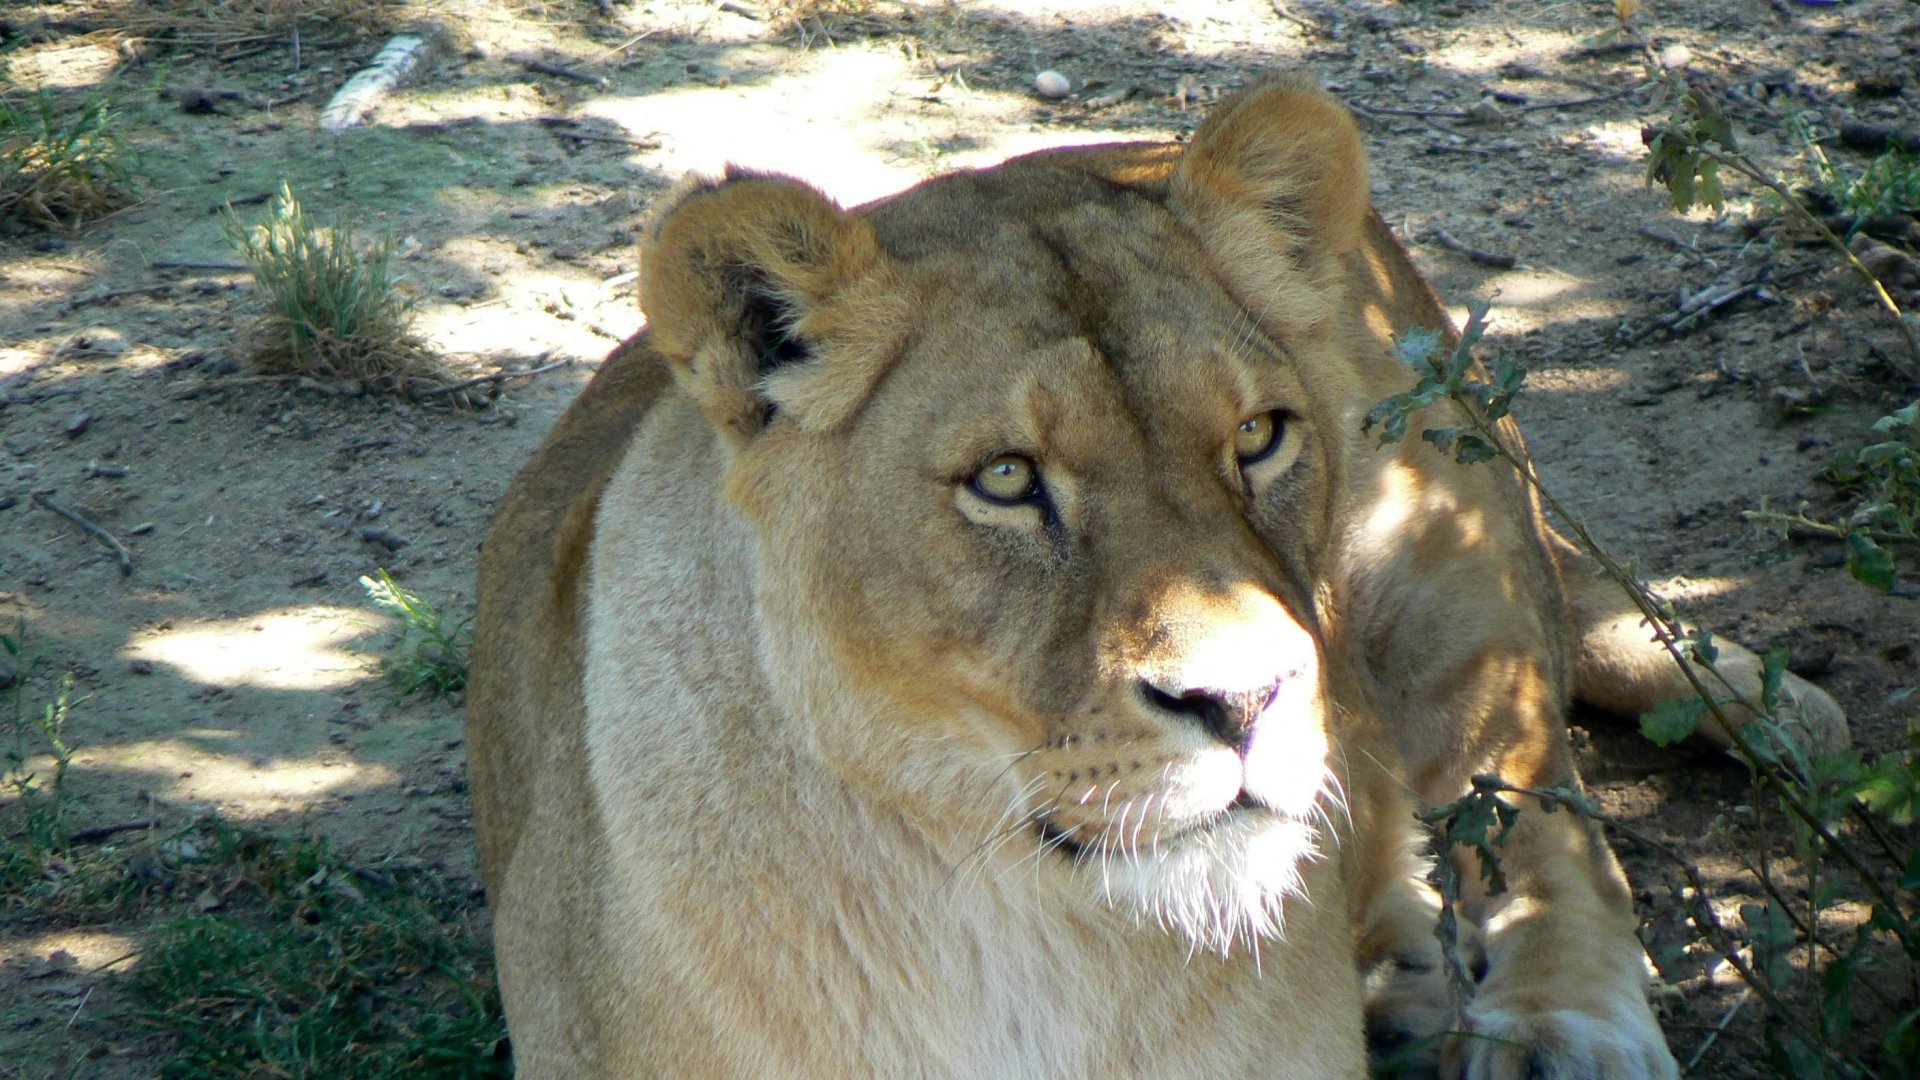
[
  {"x": 1007, "y": 479},
  {"x": 1257, "y": 437}
]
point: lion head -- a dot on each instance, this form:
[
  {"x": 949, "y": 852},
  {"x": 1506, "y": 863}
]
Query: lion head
[{"x": 1043, "y": 464}]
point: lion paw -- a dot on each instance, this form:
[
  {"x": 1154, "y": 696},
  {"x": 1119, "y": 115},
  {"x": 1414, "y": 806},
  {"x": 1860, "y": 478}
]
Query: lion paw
[
  {"x": 1818, "y": 717},
  {"x": 1562, "y": 1044}
]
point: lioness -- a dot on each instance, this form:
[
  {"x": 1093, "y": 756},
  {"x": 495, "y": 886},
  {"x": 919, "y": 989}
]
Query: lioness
[{"x": 969, "y": 635}]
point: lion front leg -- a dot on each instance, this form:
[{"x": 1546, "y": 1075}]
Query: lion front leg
[{"x": 1562, "y": 991}]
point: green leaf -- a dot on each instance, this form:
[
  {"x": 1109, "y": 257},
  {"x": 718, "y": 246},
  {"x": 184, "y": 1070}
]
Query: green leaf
[
  {"x": 1442, "y": 437},
  {"x": 1868, "y": 562},
  {"x": 1757, "y": 737},
  {"x": 1773, "y": 672},
  {"x": 1907, "y": 417},
  {"x": 1417, "y": 345},
  {"x": 1672, "y": 721},
  {"x": 1910, "y": 876},
  {"x": 1701, "y": 647},
  {"x": 1473, "y": 450},
  {"x": 1470, "y": 335},
  {"x": 1711, "y": 193},
  {"x": 1391, "y": 415},
  {"x": 1902, "y": 1040},
  {"x": 1680, "y": 182}
]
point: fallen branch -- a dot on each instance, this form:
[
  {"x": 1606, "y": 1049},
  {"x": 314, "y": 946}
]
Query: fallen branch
[
  {"x": 542, "y": 67},
  {"x": 496, "y": 378},
  {"x": 364, "y": 90},
  {"x": 1473, "y": 254},
  {"x": 102, "y": 832},
  {"x": 566, "y": 128},
  {"x": 79, "y": 302},
  {"x": 1873, "y": 138},
  {"x": 173, "y": 264},
  {"x": 1485, "y": 111},
  {"x": 120, "y": 551},
  {"x": 1692, "y": 254}
]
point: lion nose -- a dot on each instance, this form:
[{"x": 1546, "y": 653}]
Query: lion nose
[{"x": 1228, "y": 716}]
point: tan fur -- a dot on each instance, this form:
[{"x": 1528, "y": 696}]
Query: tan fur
[{"x": 778, "y": 728}]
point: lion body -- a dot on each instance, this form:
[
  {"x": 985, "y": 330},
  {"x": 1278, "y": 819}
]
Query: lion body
[{"x": 783, "y": 764}]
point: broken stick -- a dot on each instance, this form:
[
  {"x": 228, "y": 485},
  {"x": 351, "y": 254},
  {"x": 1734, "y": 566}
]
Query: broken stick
[
  {"x": 496, "y": 378},
  {"x": 120, "y": 551},
  {"x": 1495, "y": 259}
]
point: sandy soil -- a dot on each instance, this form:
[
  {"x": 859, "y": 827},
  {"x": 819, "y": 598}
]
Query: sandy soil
[{"x": 228, "y": 672}]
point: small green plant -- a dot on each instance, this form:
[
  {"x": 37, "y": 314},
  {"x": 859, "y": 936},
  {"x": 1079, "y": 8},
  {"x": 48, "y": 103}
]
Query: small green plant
[
  {"x": 1890, "y": 184},
  {"x": 41, "y": 800},
  {"x": 306, "y": 965},
  {"x": 59, "y": 167},
  {"x": 1801, "y": 946},
  {"x": 1883, "y": 480},
  {"x": 333, "y": 309},
  {"x": 44, "y": 874},
  {"x": 431, "y": 654}
]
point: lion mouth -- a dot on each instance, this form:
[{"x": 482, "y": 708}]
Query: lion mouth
[{"x": 1061, "y": 841}]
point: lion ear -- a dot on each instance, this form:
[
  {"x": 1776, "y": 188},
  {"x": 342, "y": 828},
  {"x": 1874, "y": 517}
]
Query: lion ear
[
  {"x": 737, "y": 277},
  {"x": 1275, "y": 178}
]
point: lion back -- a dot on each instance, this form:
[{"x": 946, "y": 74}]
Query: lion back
[{"x": 524, "y": 711}]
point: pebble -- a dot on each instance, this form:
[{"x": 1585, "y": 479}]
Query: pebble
[
  {"x": 78, "y": 426},
  {"x": 392, "y": 541},
  {"x": 1052, "y": 85}
]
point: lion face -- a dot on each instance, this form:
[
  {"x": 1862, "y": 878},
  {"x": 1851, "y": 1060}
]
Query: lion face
[{"x": 1041, "y": 511}]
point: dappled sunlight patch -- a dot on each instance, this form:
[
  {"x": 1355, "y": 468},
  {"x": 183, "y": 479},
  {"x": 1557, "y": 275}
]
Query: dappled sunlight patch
[
  {"x": 298, "y": 648},
  {"x": 828, "y": 118},
  {"x": 808, "y": 133},
  {"x": 76, "y": 951},
  {"x": 192, "y": 768},
  {"x": 61, "y": 67},
  {"x": 1535, "y": 298},
  {"x": 1483, "y": 58},
  {"x": 1695, "y": 589},
  {"x": 1586, "y": 380}
]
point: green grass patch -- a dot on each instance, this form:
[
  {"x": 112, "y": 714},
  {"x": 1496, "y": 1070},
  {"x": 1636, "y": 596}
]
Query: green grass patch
[
  {"x": 308, "y": 966},
  {"x": 59, "y": 167}
]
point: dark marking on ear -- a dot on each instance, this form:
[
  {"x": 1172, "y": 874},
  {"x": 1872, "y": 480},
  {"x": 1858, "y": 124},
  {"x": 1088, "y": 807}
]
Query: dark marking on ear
[{"x": 767, "y": 323}]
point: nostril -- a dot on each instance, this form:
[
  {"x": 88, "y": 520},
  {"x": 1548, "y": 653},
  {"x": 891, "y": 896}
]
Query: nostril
[{"x": 1219, "y": 715}]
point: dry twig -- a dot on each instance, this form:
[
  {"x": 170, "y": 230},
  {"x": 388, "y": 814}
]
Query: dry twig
[
  {"x": 1495, "y": 259},
  {"x": 120, "y": 551},
  {"x": 495, "y": 378}
]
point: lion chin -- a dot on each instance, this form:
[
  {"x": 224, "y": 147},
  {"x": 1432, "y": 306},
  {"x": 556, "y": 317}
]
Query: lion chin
[{"x": 1223, "y": 884}]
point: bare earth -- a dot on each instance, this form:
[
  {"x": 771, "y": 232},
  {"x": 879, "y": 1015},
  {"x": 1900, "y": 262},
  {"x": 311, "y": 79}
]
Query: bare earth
[{"x": 229, "y": 671}]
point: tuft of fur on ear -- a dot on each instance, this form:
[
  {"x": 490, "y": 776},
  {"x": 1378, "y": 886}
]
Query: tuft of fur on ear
[
  {"x": 737, "y": 277},
  {"x": 1274, "y": 183}
]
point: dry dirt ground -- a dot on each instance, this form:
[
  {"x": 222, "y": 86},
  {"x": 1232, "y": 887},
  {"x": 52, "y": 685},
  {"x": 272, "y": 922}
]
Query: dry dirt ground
[{"x": 228, "y": 672}]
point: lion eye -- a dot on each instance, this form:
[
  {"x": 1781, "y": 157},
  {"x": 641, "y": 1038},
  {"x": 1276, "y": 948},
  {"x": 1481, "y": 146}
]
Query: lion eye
[
  {"x": 1007, "y": 479},
  {"x": 1257, "y": 437}
]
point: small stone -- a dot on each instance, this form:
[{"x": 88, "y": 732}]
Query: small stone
[
  {"x": 78, "y": 426},
  {"x": 1052, "y": 85},
  {"x": 392, "y": 541}
]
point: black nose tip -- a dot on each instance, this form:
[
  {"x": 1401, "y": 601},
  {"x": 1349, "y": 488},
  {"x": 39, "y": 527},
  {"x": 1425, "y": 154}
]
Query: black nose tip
[{"x": 1228, "y": 717}]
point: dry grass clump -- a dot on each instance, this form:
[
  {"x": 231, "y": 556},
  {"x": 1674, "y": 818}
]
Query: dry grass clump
[
  {"x": 240, "y": 19},
  {"x": 332, "y": 309},
  {"x": 813, "y": 18},
  {"x": 59, "y": 167}
]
